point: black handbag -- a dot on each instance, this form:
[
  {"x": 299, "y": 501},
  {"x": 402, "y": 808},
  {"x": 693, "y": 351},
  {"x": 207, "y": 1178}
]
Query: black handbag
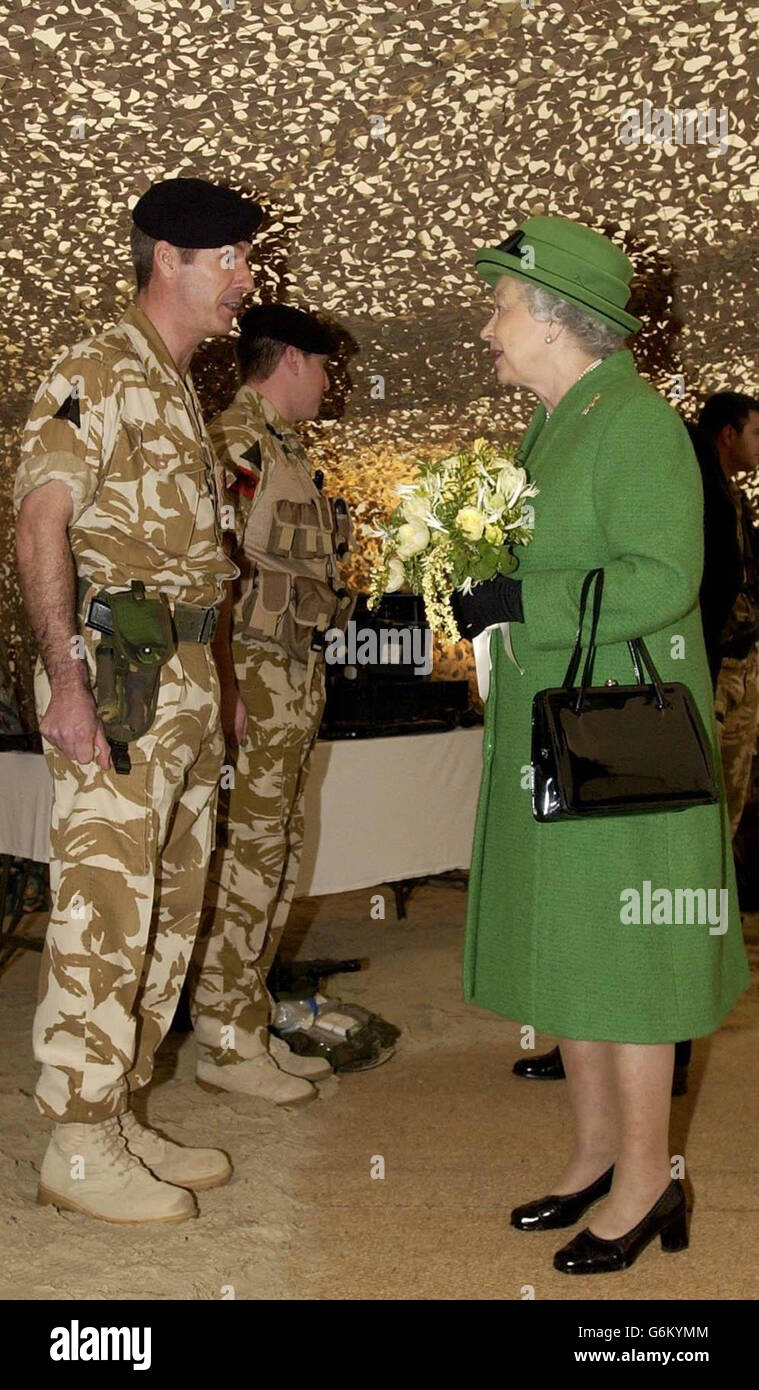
[{"x": 617, "y": 749}]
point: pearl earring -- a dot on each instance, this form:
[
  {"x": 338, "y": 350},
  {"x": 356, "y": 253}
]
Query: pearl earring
[{"x": 547, "y": 339}]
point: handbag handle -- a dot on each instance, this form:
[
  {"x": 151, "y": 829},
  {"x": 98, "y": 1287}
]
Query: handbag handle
[
  {"x": 574, "y": 660},
  {"x": 639, "y": 653}
]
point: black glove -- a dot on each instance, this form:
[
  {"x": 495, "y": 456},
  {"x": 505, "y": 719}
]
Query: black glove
[{"x": 496, "y": 600}]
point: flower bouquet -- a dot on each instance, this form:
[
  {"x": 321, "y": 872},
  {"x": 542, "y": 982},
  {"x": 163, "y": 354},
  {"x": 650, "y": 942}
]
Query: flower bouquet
[{"x": 454, "y": 527}]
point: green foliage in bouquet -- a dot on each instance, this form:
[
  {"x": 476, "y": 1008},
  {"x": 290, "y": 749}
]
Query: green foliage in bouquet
[{"x": 455, "y": 526}]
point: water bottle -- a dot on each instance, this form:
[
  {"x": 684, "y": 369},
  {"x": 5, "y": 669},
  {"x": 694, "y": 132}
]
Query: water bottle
[{"x": 291, "y": 1014}]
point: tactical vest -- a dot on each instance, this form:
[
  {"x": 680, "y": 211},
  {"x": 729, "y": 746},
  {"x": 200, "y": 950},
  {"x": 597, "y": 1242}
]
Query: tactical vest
[{"x": 294, "y": 534}]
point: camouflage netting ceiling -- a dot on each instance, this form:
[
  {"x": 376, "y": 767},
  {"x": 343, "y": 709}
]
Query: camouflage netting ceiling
[{"x": 387, "y": 142}]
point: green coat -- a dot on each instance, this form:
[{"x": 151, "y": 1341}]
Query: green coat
[{"x": 545, "y": 943}]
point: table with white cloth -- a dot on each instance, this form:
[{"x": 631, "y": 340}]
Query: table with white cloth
[
  {"x": 385, "y": 810},
  {"x": 377, "y": 810}
]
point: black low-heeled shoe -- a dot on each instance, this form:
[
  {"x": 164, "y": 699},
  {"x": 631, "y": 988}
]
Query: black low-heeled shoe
[
  {"x": 590, "y": 1254},
  {"x": 547, "y": 1067},
  {"x": 551, "y": 1212}
]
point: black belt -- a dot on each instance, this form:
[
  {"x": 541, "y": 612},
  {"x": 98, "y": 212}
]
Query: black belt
[{"x": 191, "y": 622}]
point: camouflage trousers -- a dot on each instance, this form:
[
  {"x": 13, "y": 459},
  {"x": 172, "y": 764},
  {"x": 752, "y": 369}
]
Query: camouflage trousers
[
  {"x": 254, "y": 868},
  {"x": 129, "y": 858},
  {"x": 736, "y": 706}
]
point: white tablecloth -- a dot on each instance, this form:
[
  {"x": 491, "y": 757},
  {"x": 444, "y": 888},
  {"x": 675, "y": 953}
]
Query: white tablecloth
[
  {"x": 381, "y": 809},
  {"x": 25, "y": 797},
  {"x": 377, "y": 809}
]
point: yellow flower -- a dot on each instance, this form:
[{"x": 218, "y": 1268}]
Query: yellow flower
[
  {"x": 493, "y": 534},
  {"x": 470, "y": 522}
]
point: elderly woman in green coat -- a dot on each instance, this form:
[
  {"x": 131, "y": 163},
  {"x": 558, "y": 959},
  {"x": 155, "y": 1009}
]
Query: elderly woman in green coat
[{"x": 552, "y": 939}]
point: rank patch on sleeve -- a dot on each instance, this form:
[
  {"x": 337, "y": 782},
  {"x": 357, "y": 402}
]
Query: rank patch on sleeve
[
  {"x": 69, "y": 410},
  {"x": 248, "y": 471},
  {"x": 252, "y": 456}
]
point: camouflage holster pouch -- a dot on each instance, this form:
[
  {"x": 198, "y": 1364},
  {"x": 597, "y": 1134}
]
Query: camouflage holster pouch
[{"x": 128, "y": 666}]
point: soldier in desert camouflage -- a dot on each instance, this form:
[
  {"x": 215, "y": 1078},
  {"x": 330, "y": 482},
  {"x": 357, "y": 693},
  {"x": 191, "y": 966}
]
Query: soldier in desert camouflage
[
  {"x": 290, "y": 538},
  {"x": 118, "y": 483}
]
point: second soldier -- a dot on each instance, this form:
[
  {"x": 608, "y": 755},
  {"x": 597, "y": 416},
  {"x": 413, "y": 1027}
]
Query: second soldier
[{"x": 290, "y": 536}]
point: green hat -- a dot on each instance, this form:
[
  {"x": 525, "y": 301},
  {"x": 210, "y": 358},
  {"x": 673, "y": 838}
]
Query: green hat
[{"x": 581, "y": 265}]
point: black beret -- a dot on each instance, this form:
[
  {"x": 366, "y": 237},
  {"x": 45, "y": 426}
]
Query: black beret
[
  {"x": 196, "y": 213},
  {"x": 288, "y": 325}
]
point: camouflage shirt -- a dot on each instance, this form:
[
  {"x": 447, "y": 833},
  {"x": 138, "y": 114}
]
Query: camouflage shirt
[
  {"x": 289, "y": 532},
  {"x": 116, "y": 422},
  {"x": 250, "y": 430}
]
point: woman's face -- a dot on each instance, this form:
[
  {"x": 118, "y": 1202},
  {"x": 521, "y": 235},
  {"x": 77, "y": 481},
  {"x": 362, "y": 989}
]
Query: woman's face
[{"x": 516, "y": 340}]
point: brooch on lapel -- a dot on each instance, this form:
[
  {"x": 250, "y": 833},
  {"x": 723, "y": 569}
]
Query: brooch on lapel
[{"x": 591, "y": 403}]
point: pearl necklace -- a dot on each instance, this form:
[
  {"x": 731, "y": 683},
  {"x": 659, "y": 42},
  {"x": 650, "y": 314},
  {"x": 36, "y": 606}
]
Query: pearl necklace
[{"x": 590, "y": 367}]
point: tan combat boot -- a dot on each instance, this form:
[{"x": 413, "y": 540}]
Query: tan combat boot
[
  {"x": 292, "y": 1062},
  {"x": 89, "y": 1169},
  {"x": 259, "y": 1077},
  {"x": 176, "y": 1163}
]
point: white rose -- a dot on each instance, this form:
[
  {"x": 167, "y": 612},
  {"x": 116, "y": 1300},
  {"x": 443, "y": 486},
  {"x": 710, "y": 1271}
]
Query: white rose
[
  {"x": 412, "y": 537},
  {"x": 511, "y": 480},
  {"x": 396, "y": 575},
  {"x": 470, "y": 522},
  {"x": 414, "y": 507}
]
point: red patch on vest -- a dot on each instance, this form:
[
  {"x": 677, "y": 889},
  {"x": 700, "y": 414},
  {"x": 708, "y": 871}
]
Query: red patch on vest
[{"x": 245, "y": 482}]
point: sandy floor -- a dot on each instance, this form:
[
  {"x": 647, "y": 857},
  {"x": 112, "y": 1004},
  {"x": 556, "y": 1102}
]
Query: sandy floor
[{"x": 461, "y": 1138}]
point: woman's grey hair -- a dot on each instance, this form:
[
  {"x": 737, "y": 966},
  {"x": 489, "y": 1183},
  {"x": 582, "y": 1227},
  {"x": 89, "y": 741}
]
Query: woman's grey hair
[{"x": 599, "y": 339}]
